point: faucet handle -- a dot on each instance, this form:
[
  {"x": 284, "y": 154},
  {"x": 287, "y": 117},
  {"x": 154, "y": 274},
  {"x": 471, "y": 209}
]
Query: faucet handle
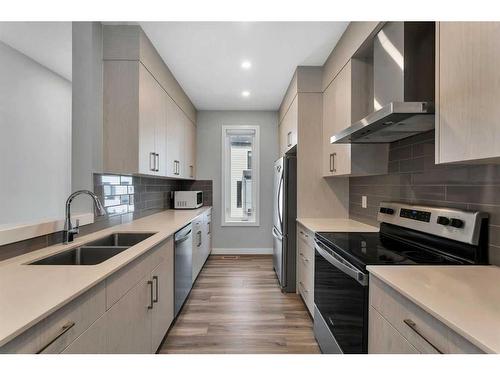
[{"x": 77, "y": 226}]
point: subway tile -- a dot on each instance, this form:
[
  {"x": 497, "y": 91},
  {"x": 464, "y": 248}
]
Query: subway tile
[
  {"x": 485, "y": 194},
  {"x": 400, "y": 153},
  {"x": 412, "y": 165}
]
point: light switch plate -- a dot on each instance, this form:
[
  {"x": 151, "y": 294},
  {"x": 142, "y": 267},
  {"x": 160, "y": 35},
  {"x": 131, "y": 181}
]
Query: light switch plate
[{"x": 364, "y": 201}]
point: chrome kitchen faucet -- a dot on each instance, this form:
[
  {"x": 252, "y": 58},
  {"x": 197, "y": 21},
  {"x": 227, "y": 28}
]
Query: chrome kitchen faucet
[{"x": 70, "y": 231}]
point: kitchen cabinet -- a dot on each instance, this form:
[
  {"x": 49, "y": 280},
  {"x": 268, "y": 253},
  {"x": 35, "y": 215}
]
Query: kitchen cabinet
[
  {"x": 93, "y": 341},
  {"x": 198, "y": 256},
  {"x": 288, "y": 127},
  {"x": 397, "y": 325},
  {"x": 202, "y": 241},
  {"x": 128, "y": 322},
  {"x": 54, "y": 333},
  {"x": 190, "y": 149},
  {"x": 305, "y": 266},
  {"x": 149, "y": 123},
  {"x": 387, "y": 338},
  {"x": 467, "y": 92},
  {"x": 135, "y": 120},
  {"x": 163, "y": 311},
  {"x": 346, "y": 101}
]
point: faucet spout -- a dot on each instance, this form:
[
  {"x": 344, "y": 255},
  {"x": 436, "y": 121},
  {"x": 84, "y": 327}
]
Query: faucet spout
[{"x": 70, "y": 231}]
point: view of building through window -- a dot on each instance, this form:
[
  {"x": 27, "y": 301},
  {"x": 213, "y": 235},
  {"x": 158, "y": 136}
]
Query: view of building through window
[{"x": 240, "y": 186}]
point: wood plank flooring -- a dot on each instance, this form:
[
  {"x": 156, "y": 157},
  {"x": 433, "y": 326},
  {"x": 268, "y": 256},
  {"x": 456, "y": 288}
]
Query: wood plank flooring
[{"x": 236, "y": 306}]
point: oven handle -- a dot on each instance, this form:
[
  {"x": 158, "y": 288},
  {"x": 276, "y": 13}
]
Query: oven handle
[{"x": 343, "y": 265}]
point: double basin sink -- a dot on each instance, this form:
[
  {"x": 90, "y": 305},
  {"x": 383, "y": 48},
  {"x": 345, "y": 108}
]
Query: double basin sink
[{"x": 95, "y": 252}]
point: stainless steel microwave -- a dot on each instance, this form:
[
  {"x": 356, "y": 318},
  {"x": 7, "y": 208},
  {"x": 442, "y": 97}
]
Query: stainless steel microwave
[{"x": 188, "y": 199}]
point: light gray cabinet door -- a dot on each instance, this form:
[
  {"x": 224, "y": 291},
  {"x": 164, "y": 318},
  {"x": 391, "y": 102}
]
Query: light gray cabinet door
[
  {"x": 163, "y": 297},
  {"x": 175, "y": 139},
  {"x": 150, "y": 114},
  {"x": 129, "y": 321}
]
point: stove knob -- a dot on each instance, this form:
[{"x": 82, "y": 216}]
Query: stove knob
[
  {"x": 457, "y": 223},
  {"x": 443, "y": 220},
  {"x": 389, "y": 211}
]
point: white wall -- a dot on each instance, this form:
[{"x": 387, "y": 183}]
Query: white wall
[
  {"x": 209, "y": 160},
  {"x": 35, "y": 139}
]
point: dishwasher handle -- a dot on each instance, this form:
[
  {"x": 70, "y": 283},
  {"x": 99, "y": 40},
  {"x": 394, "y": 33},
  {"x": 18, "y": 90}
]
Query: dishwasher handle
[
  {"x": 185, "y": 238},
  {"x": 342, "y": 265}
]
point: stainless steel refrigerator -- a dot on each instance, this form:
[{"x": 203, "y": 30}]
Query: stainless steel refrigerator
[{"x": 284, "y": 217}]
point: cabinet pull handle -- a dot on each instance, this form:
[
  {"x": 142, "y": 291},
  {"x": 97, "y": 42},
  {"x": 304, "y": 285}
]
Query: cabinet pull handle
[
  {"x": 157, "y": 157},
  {"x": 65, "y": 328},
  {"x": 157, "y": 293},
  {"x": 289, "y": 138},
  {"x": 333, "y": 157},
  {"x": 152, "y": 168},
  {"x": 191, "y": 174},
  {"x": 209, "y": 227},
  {"x": 150, "y": 306},
  {"x": 413, "y": 326},
  {"x": 331, "y": 164}
]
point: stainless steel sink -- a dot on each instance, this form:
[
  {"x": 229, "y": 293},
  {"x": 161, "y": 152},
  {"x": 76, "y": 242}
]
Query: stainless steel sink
[
  {"x": 120, "y": 239},
  {"x": 95, "y": 252}
]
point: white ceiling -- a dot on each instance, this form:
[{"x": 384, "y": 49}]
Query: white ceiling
[
  {"x": 206, "y": 58},
  {"x": 48, "y": 43}
]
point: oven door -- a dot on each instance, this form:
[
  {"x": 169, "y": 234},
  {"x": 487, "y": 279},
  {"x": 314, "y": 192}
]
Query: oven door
[{"x": 341, "y": 303}]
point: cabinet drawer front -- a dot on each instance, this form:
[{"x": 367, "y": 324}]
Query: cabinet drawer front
[
  {"x": 92, "y": 341},
  {"x": 305, "y": 253},
  {"x": 383, "y": 338},
  {"x": 422, "y": 330},
  {"x": 160, "y": 253},
  {"x": 306, "y": 235},
  {"x": 57, "y": 331},
  {"x": 119, "y": 283}
]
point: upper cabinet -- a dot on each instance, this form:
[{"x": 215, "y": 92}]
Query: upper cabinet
[
  {"x": 149, "y": 122},
  {"x": 467, "y": 92},
  {"x": 347, "y": 99},
  {"x": 288, "y": 127}
]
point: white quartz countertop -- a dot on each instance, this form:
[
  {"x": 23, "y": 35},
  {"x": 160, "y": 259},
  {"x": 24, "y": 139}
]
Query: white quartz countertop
[
  {"x": 336, "y": 225},
  {"x": 465, "y": 298},
  {"x": 29, "y": 293}
]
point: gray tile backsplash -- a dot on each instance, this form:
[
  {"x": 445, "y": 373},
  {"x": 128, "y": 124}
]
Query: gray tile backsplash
[
  {"x": 414, "y": 178},
  {"x": 132, "y": 197}
]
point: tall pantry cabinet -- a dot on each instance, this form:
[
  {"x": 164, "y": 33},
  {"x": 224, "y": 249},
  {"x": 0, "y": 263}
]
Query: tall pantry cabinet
[{"x": 149, "y": 122}]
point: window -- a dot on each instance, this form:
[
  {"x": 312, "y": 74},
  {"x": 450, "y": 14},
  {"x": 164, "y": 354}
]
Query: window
[{"x": 240, "y": 173}]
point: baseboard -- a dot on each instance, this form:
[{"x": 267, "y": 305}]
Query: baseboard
[{"x": 242, "y": 251}]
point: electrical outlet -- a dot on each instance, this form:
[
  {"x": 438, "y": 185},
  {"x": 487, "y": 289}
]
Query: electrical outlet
[{"x": 364, "y": 201}]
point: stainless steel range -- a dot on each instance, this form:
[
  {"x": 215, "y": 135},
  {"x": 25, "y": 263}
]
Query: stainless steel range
[{"x": 409, "y": 235}]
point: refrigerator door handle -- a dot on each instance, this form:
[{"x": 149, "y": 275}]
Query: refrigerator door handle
[
  {"x": 280, "y": 187},
  {"x": 277, "y": 235}
]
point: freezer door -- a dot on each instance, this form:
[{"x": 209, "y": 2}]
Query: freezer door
[
  {"x": 279, "y": 196},
  {"x": 279, "y": 252}
]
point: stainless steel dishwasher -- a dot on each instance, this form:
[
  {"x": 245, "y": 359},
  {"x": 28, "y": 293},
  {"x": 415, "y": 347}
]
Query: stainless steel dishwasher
[{"x": 183, "y": 266}]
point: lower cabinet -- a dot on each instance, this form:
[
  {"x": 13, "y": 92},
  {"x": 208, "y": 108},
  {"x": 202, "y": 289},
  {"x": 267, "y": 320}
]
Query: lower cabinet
[
  {"x": 384, "y": 338},
  {"x": 202, "y": 241},
  {"x": 129, "y": 312},
  {"x": 305, "y": 266},
  {"x": 128, "y": 322},
  {"x": 397, "y": 325},
  {"x": 163, "y": 308}
]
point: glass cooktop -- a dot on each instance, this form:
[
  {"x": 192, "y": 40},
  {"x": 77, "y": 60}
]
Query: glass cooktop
[{"x": 373, "y": 249}]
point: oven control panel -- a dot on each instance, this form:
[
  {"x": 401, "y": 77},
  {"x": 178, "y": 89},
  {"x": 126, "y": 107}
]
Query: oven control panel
[
  {"x": 452, "y": 223},
  {"x": 415, "y": 215}
]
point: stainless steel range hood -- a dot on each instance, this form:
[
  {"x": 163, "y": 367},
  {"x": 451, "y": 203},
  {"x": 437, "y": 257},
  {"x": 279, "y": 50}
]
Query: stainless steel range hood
[
  {"x": 403, "y": 86},
  {"x": 394, "y": 121}
]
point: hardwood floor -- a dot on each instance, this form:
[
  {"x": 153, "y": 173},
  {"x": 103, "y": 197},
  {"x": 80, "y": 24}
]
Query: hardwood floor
[{"x": 236, "y": 306}]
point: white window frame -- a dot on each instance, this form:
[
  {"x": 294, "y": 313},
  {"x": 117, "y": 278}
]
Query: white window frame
[{"x": 226, "y": 176}]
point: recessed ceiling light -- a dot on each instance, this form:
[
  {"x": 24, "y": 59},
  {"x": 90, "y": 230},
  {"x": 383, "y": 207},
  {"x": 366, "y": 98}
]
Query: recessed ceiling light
[
  {"x": 245, "y": 93},
  {"x": 246, "y": 64}
]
